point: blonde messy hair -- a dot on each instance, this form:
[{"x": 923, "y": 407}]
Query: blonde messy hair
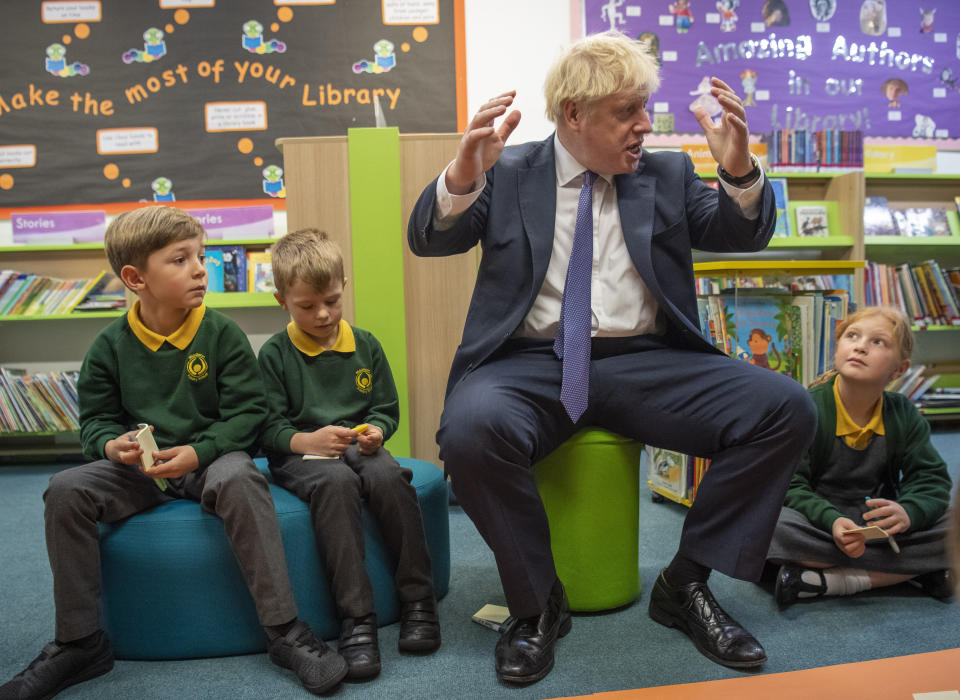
[
  {"x": 307, "y": 255},
  {"x": 595, "y": 67},
  {"x": 902, "y": 334},
  {"x": 135, "y": 234}
]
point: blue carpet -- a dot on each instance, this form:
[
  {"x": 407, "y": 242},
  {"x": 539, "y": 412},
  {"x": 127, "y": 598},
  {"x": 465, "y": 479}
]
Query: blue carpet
[{"x": 614, "y": 651}]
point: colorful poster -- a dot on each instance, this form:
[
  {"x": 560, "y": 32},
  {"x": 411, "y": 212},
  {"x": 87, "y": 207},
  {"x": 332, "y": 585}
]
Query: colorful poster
[
  {"x": 183, "y": 100},
  {"x": 887, "y": 68}
]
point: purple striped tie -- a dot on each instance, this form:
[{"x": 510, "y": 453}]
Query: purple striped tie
[{"x": 573, "y": 333}]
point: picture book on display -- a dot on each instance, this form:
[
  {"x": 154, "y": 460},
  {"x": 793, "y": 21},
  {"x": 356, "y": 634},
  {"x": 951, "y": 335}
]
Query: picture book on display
[
  {"x": 877, "y": 219},
  {"x": 812, "y": 220},
  {"x": 213, "y": 261},
  {"x": 922, "y": 221},
  {"x": 781, "y": 200},
  {"x": 667, "y": 471},
  {"x": 762, "y": 331},
  {"x": 259, "y": 272}
]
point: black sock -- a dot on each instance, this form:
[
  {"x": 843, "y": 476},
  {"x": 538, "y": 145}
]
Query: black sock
[
  {"x": 88, "y": 642},
  {"x": 274, "y": 631},
  {"x": 683, "y": 570}
]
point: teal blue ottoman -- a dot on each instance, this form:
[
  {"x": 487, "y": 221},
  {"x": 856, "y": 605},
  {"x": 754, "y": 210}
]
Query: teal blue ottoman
[
  {"x": 590, "y": 487},
  {"x": 172, "y": 588}
]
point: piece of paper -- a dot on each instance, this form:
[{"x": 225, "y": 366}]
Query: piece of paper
[
  {"x": 149, "y": 446},
  {"x": 870, "y": 532}
]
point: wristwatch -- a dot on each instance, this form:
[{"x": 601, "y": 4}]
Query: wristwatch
[{"x": 740, "y": 181}]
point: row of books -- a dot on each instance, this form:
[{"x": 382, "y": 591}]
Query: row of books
[
  {"x": 27, "y": 294},
  {"x": 787, "y": 332},
  {"x": 806, "y": 219},
  {"x": 38, "y": 403},
  {"x": 232, "y": 268},
  {"x": 880, "y": 220},
  {"x": 811, "y": 283},
  {"x": 915, "y": 383},
  {"x": 801, "y": 149},
  {"x": 925, "y": 292}
]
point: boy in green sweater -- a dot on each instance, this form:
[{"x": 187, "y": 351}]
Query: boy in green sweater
[
  {"x": 190, "y": 372},
  {"x": 331, "y": 396}
]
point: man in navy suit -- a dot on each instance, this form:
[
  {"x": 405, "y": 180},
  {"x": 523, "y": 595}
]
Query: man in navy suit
[{"x": 648, "y": 373}]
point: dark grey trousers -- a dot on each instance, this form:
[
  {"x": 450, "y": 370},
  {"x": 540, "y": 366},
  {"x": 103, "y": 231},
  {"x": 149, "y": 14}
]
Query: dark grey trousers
[
  {"x": 335, "y": 490},
  {"x": 231, "y": 487}
]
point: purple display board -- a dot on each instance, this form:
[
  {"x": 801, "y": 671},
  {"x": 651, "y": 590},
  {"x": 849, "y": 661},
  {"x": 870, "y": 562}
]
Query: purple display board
[
  {"x": 889, "y": 68},
  {"x": 58, "y": 228},
  {"x": 233, "y": 223}
]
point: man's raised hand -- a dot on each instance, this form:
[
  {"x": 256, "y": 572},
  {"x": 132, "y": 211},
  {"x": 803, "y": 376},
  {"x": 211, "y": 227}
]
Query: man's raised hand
[{"x": 482, "y": 144}]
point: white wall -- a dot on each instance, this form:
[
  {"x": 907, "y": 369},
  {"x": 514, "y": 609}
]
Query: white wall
[{"x": 510, "y": 45}]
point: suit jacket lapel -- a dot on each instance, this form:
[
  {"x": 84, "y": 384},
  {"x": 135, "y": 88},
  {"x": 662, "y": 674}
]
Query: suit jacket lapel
[
  {"x": 636, "y": 196},
  {"x": 537, "y": 191}
]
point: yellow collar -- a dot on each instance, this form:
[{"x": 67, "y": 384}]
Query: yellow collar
[
  {"x": 308, "y": 346},
  {"x": 854, "y": 435},
  {"x": 180, "y": 338}
]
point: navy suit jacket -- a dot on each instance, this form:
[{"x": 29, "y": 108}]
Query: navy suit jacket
[{"x": 665, "y": 211}]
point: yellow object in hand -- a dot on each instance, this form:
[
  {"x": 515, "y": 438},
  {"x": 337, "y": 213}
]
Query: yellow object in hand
[{"x": 360, "y": 428}]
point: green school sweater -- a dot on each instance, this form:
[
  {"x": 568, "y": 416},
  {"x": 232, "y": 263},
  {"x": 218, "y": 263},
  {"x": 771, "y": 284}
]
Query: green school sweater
[
  {"x": 206, "y": 393},
  {"x": 916, "y": 476},
  {"x": 310, "y": 388}
]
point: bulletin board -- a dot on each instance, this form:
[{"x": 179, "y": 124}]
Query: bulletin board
[
  {"x": 170, "y": 100},
  {"x": 887, "y": 67}
]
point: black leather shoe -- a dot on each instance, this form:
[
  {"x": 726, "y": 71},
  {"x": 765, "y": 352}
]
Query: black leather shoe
[
  {"x": 419, "y": 626},
  {"x": 358, "y": 647},
  {"x": 524, "y": 653},
  {"x": 693, "y": 610},
  {"x": 938, "y": 584},
  {"x": 790, "y": 585}
]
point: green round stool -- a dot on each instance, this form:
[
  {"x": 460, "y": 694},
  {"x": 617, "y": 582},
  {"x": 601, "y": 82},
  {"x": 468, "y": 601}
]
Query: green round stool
[{"x": 590, "y": 486}]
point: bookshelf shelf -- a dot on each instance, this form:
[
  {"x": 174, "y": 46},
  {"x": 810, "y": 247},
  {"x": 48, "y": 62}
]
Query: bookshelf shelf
[
  {"x": 776, "y": 267},
  {"x": 254, "y": 242},
  {"x": 65, "y": 317},
  {"x": 239, "y": 300},
  {"x": 811, "y": 242}
]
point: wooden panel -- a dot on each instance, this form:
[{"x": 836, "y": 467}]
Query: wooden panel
[
  {"x": 438, "y": 294},
  {"x": 317, "y": 177}
]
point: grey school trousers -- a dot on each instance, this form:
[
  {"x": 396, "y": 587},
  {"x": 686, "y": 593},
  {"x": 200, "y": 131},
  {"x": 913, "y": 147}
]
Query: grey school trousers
[
  {"x": 231, "y": 487},
  {"x": 335, "y": 490}
]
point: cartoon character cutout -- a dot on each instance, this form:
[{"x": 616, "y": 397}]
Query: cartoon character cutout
[
  {"x": 273, "y": 181},
  {"x": 948, "y": 79},
  {"x": 651, "y": 42},
  {"x": 162, "y": 190},
  {"x": 154, "y": 48},
  {"x": 384, "y": 60},
  {"x": 684, "y": 15},
  {"x": 823, "y": 10},
  {"x": 728, "y": 14},
  {"x": 610, "y": 12},
  {"x": 705, "y": 99},
  {"x": 924, "y": 127},
  {"x": 748, "y": 78},
  {"x": 775, "y": 13},
  {"x": 56, "y": 63},
  {"x": 873, "y": 17},
  {"x": 760, "y": 345},
  {"x": 252, "y": 39},
  {"x": 893, "y": 90},
  {"x": 926, "y": 20}
]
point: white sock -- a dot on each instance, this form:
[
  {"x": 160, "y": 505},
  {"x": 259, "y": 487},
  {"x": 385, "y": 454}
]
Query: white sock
[{"x": 840, "y": 581}]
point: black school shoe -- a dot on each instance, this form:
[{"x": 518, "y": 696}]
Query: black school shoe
[
  {"x": 693, "y": 610},
  {"x": 419, "y": 627},
  {"x": 938, "y": 584},
  {"x": 59, "y": 666},
  {"x": 790, "y": 585},
  {"x": 316, "y": 665},
  {"x": 358, "y": 646}
]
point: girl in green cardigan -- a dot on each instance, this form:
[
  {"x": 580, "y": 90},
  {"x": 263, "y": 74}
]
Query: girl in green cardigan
[{"x": 871, "y": 464}]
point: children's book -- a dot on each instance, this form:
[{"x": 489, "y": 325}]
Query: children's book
[
  {"x": 762, "y": 330},
  {"x": 812, "y": 220},
  {"x": 496, "y": 617},
  {"x": 667, "y": 470},
  {"x": 213, "y": 261},
  {"x": 922, "y": 221},
  {"x": 234, "y": 268},
  {"x": 877, "y": 219},
  {"x": 781, "y": 200},
  {"x": 108, "y": 292},
  {"x": 259, "y": 272}
]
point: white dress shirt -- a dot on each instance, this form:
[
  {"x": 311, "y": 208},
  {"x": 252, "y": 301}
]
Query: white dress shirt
[{"x": 620, "y": 302}]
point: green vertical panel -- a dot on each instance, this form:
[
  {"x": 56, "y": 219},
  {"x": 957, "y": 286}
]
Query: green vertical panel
[{"x": 376, "y": 235}]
